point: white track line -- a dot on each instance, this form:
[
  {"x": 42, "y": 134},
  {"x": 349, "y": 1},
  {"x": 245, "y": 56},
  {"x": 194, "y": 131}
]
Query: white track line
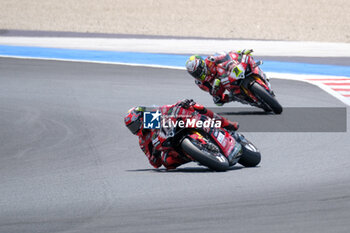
[
  {"x": 297, "y": 77},
  {"x": 311, "y": 79},
  {"x": 187, "y": 46}
]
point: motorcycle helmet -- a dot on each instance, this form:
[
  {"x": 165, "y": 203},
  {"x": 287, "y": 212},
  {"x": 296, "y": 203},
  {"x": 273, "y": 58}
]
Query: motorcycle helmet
[
  {"x": 134, "y": 120},
  {"x": 196, "y": 66}
]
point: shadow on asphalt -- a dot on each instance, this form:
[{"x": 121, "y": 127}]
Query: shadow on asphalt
[
  {"x": 186, "y": 170},
  {"x": 243, "y": 113}
]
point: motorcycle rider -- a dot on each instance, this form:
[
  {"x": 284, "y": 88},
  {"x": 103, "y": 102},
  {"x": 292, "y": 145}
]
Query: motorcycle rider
[
  {"x": 148, "y": 138},
  {"x": 219, "y": 72}
]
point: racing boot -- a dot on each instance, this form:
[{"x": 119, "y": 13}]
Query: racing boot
[
  {"x": 229, "y": 125},
  {"x": 226, "y": 124},
  {"x": 171, "y": 160}
]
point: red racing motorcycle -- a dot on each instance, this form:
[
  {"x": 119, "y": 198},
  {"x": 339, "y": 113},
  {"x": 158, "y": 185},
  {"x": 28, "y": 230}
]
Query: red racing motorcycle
[
  {"x": 213, "y": 147},
  {"x": 255, "y": 86}
]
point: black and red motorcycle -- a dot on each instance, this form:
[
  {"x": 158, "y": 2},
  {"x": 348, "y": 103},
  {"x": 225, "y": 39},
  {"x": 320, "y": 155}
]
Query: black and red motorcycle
[{"x": 215, "y": 148}]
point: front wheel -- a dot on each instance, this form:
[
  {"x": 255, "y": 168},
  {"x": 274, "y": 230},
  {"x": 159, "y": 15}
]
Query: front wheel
[
  {"x": 251, "y": 156},
  {"x": 204, "y": 157},
  {"x": 266, "y": 98}
]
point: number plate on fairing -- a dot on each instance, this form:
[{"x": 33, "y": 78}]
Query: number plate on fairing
[
  {"x": 237, "y": 72},
  {"x": 220, "y": 137}
]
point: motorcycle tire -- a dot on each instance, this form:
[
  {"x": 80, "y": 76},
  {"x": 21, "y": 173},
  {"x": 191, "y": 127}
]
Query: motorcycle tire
[
  {"x": 266, "y": 98},
  {"x": 251, "y": 156},
  {"x": 216, "y": 163}
]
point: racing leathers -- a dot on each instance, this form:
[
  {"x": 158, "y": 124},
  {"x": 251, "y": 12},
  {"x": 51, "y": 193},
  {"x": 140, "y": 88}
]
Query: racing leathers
[
  {"x": 150, "y": 139},
  {"x": 223, "y": 70}
]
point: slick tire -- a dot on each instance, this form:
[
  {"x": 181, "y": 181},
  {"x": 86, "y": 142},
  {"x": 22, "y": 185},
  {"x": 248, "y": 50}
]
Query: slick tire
[
  {"x": 251, "y": 156},
  {"x": 216, "y": 163},
  {"x": 266, "y": 98}
]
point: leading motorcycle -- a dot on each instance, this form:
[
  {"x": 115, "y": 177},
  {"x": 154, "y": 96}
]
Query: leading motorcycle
[{"x": 254, "y": 85}]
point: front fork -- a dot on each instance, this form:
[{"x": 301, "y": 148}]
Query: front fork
[{"x": 255, "y": 78}]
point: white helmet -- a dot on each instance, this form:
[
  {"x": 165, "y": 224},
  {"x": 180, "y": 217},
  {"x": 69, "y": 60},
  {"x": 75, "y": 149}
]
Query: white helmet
[{"x": 196, "y": 66}]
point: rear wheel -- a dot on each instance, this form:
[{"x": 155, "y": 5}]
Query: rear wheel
[
  {"x": 266, "y": 98},
  {"x": 216, "y": 162}
]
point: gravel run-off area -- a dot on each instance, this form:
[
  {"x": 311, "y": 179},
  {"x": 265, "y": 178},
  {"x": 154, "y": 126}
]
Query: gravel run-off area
[{"x": 297, "y": 20}]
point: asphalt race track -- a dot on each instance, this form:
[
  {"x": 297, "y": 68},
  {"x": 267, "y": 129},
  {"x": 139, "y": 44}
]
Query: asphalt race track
[{"x": 68, "y": 163}]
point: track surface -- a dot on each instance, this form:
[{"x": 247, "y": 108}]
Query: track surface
[{"x": 68, "y": 164}]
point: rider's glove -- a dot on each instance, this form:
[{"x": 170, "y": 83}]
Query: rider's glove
[
  {"x": 186, "y": 103},
  {"x": 215, "y": 86},
  {"x": 217, "y": 83},
  {"x": 245, "y": 51}
]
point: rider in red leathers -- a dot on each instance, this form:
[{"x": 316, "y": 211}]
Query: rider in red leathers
[
  {"x": 219, "y": 72},
  {"x": 149, "y": 139}
]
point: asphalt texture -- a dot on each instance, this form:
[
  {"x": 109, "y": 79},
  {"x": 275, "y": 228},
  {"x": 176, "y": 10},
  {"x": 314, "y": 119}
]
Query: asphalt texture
[{"x": 68, "y": 163}]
